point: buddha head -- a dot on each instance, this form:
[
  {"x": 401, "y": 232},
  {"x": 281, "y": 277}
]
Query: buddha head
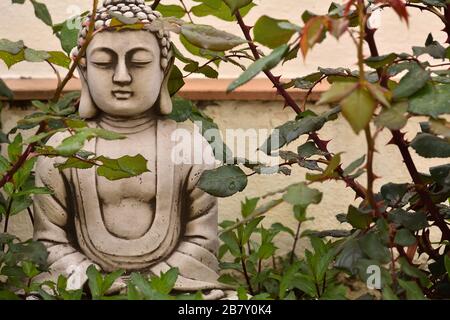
[{"x": 124, "y": 73}]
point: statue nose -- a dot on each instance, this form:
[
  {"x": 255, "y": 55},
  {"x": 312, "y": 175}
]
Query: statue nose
[{"x": 122, "y": 75}]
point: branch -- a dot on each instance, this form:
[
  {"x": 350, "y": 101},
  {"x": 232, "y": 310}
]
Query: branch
[
  {"x": 80, "y": 54},
  {"x": 289, "y": 101},
  {"x": 397, "y": 138}
]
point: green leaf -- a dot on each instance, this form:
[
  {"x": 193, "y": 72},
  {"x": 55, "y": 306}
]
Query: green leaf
[
  {"x": 430, "y": 146},
  {"x": 337, "y": 92},
  {"x": 248, "y": 206},
  {"x": 393, "y": 193},
  {"x": 413, "y": 271},
  {"x": 171, "y": 10},
  {"x": 32, "y": 55},
  {"x": 388, "y": 294},
  {"x": 358, "y": 109},
  {"x": 68, "y": 36},
  {"x": 413, "y": 291},
  {"x": 11, "y": 46},
  {"x": 59, "y": 58},
  {"x": 309, "y": 149},
  {"x": 123, "y": 167},
  {"x": 41, "y": 12},
  {"x": 268, "y": 32},
  {"x": 231, "y": 241},
  {"x": 235, "y": 5},
  {"x": 432, "y": 100},
  {"x": 263, "y": 64},
  {"x": 208, "y": 37},
  {"x": 249, "y": 229},
  {"x": 15, "y": 148},
  {"x": 5, "y": 91},
  {"x": 165, "y": 282},
  {"x": 176, "y": 81},
  {"x": 414, "y": 80},
  {"x": 404, "y": 238},
  {"x": 95, "y": 282},
  {"x": 74, "y": 163},
  {"x": 182, "y": 109},
  {"x": 329, "y": 172},
  {"x": 358, "y": 219},
  {"x": 218, "y": 9},
  {"x": 371, "y": 245},
  {"x": 380, "y": 61},
  {"x": 12, "y": 59},
  {"x": 447, "y": 265},
  {"x": 393, "y": 118},
  {"x": 354, "y": 165},
  {"x": 223, "y": 181},
  {"x": 413, "y": 221},
  {"x": 302, "y": 195},
  {"x": 291, "y": 130}
]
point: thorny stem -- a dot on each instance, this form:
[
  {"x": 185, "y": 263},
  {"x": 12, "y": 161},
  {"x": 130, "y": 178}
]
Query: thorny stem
[
  {"x": 7, "y": 215},
  {"x": 369, "y": 139},
  {"x": 289, "y": 101},
  {"x": 398, "y": 139}
]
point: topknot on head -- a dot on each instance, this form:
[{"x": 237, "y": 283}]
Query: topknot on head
[{"x": 129, "y": 9}]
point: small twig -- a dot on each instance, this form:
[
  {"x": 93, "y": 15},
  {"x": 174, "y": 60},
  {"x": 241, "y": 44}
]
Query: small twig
[
  {"x": 80, "y": 53},
  {"x": 188, "y": 12},
  {"x": 289, "y": 101},
  {"x": 58, "y": 76},
  {"x": 30, "y": 215},
  {"x": 294, "y": 245},
  {"x": 7, "y": 215},
  {"x": 244, "y": 268}
]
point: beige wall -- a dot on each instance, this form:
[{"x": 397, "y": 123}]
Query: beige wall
[
  {"x": 17, "y": 22},
  {"x": 394, "y": 36},
  {"x": 266, "y": 115}
]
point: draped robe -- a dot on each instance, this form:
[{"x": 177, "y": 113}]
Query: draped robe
[{"x": 183, "y": 233}]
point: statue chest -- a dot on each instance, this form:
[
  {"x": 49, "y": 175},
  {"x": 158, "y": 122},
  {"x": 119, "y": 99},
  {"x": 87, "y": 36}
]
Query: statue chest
[{"x": 128, "y": 205}]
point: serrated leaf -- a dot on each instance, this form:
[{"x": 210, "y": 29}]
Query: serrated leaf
[
  {"x": 32, "y": 55},
  {"x": 413, "y": 221},
  {"x": 11, "y": 46},
  {"x": 302, "y": 195},
  {"x": 393, "y": 118},
  {"x": 430, "y": 146},
  {"x": 358, "y": 109},
  {"x": 413, "y": 81},
  {"x": 123, "y": 167},
  {"x": 337, "y": 92},
  {"x": 358, "y": 219},
  {"x": 371, "y": 245},
  {"x": 432, "y": 100},
  {"x": 404, "y": 237}
]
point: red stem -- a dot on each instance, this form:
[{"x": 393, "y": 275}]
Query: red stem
[{"x": 321, "y": 144}]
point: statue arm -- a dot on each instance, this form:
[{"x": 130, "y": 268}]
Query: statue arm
[{"x": 53, "y": 219}]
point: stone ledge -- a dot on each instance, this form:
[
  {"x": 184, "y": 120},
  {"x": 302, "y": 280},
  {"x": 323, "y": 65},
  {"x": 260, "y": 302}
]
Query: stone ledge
[{"x": 194, "y": 89}]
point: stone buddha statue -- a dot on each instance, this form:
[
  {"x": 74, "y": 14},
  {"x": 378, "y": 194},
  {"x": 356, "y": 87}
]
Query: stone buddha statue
[{"x": 148, "y": 223}]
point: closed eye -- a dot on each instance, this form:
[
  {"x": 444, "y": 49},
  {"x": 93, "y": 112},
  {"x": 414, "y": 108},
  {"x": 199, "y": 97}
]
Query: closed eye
[
  {"x": 103, "y": 64},
  {"x": 140, "y": 63}
]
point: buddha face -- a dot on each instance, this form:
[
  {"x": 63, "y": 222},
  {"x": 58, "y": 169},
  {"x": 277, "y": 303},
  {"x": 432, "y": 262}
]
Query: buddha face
[{"x": 123, "y": 71}]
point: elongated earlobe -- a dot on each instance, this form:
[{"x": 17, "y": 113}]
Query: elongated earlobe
[
  {"x": 87, "y": 107},
  {"x": 165, "y": 101}
]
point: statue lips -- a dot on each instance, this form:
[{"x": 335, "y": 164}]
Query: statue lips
[{"x": 122, "y": 94}]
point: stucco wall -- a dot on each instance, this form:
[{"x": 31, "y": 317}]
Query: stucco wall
[{"x": 267, "y": 115}]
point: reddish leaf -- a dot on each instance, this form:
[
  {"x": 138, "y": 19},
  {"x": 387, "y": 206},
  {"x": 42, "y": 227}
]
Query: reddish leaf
[
  {"x": 312, "y": 33},
  {"x": 399, "y": 7}
]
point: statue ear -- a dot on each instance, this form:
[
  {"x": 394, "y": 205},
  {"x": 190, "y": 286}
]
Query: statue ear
[
  {"x": 165, "y": 101},
  {"x": 87, "y": 107}
]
